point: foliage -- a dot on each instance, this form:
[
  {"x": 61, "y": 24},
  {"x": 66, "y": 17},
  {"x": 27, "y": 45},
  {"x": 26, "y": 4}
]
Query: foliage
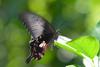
[{"x": 73, "y": 18}]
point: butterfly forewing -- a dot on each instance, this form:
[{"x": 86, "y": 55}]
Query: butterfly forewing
[{"x": 34, "y": 23}]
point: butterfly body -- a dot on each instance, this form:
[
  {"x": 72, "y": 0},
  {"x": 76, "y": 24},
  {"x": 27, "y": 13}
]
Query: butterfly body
[{"x": 42, "y": 34}]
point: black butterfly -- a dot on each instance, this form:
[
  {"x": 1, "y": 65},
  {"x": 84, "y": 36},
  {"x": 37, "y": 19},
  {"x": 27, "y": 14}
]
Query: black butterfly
[{"x": 42, "y": 34}]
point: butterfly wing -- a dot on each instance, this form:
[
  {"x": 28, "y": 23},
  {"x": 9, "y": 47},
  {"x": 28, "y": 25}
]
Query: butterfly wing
[{"x": 36, "y": 24}]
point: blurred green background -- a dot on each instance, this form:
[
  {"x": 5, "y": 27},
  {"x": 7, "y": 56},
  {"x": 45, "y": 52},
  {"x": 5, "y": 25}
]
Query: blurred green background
[{"x": 73, "y": 18}]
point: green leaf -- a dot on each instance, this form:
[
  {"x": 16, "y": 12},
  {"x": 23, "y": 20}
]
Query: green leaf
[
  {"x": 71, "y": 66},
  {"x": 86, "y": 45}
]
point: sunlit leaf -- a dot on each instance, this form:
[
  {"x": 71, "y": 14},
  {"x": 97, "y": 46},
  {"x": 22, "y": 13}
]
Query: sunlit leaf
[
  {"x": 87, "y": 45},
  {"x": 71, "y": 66}
]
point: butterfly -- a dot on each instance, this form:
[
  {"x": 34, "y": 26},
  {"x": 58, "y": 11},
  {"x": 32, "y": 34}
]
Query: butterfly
[{"x": 42, "y": 33}]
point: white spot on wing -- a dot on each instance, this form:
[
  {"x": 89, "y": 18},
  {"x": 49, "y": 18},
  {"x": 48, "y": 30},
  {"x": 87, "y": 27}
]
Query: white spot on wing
[{"x": 42, "y": 44}]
